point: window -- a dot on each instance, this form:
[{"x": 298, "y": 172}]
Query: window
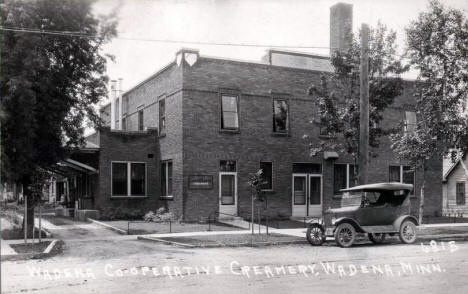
[
  {"x": 162, "y": 117},
  {"x": 227, "y": 166},
  {"x": 344, "y": 176},
  {"x": 140, "y": 120},
  {"x": 124, "y": 123},
  {"x": 128, "y": 179},
  {"x": 401, "y": 174},
  {"x": 166, "y": 179},
  {"x": 280, "y": 116},
  {"x": 460, "y": 193},
  {"x": 267, "y": 168},
  {"x": 229, "y": 113},
  {"x": 410, "y": 121}
]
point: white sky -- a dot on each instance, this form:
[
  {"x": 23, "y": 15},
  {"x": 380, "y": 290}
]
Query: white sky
[{"x": 269, "y": 22}]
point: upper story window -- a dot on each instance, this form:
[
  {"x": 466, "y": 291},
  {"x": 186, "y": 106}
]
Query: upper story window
[
  {"x": 229, "y": 112},
  {"x": 140, "y": 120},
  {"x": 128, "y": 179},
  {"x": 280, "y": 116},
  {"x": 267, "y": 168},
  {"x": 410, "y": 121},
  {"x": 162, "y": 116},
  {"x": 344, "y": 176}
]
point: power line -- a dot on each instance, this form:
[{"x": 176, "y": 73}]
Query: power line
[{"x": 84, "y": 35}]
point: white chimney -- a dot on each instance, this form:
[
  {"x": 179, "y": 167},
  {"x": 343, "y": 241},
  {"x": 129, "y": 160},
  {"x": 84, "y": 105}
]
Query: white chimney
[
  {"x": 120, "y": 102},
  {"x": 112, "y": 98}
]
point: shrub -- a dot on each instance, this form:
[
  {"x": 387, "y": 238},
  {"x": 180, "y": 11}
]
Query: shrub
[{"x": 161, "y": 215}]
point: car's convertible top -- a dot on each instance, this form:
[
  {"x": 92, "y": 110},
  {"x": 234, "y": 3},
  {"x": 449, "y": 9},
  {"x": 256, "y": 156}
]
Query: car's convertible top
[{"x": 393, "y": 186}]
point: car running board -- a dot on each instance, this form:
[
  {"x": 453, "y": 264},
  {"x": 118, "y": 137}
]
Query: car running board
[{"x": 380, "y": 229}]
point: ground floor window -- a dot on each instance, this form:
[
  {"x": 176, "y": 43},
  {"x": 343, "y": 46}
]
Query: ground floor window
[
  {"x": 401, "y": 174},
  {"x": 460, "y": 193},
  {"x": 166, "y": 178},
  {"x": 344, "y": 176},
  {"x": 267, "y": 168},
  {"x": 128, "y": 179}
]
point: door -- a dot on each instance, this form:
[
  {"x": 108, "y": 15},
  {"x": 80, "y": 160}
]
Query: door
[
  {"x": 227, "y": 193},
  {"x": 307, "y": 195}
]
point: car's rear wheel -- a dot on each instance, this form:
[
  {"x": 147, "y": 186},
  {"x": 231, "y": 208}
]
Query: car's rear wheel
[
  {"x": 407, "y": 232},
  {"x": 315, "y": 234},
  {"x": 376, "y": 238},
  {"x": 345, "y": 234}
]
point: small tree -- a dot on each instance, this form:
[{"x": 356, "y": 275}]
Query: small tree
[
  {"x": 438, "y": 49},
  {"x": 337, "y": 94},
  {"x": 256, "y": 182}
]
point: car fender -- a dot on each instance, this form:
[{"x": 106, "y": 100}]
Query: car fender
[
  {"x": 397, "y": 223},
  {"x": 353, "y": 222}
]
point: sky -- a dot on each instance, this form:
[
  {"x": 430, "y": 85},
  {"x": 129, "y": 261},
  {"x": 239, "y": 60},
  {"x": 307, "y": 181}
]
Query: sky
[{"x": 265, "y": 23}]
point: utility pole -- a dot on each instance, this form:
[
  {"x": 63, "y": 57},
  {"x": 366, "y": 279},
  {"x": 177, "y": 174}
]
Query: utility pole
[{"x": 364, "y": 107}]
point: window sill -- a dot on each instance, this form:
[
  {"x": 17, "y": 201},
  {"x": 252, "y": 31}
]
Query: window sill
[
  {"x": 280, "y": 134},
  {"x": 229, "y": 131},
  {"x": 327, "y": 136},
  {"x": 166, "y": 197},
  {"x": 337, "y": 197},
  {"x": 128, "y": 197}
]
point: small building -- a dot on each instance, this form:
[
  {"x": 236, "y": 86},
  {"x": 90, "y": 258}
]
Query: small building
[{"x": 455, "y": 188}]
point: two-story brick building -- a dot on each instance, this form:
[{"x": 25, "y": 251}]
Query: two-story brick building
[{"x": 213, "y": 122}]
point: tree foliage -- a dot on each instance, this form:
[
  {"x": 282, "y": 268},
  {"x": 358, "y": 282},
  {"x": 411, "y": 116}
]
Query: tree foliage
[
  {"x": 337, "y": 95},
  {"x": 50, "y": 83},
  {"x": 438, "y": 49}
]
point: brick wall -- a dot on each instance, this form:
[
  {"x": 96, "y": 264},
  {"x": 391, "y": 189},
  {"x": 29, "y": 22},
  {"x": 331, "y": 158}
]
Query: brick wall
[
  {"x": 122, "y": 146},
  {"x": 205, "y": 145}
]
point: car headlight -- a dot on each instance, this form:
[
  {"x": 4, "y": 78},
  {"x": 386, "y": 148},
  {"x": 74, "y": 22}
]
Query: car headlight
[{"x": 333, "y": 221}]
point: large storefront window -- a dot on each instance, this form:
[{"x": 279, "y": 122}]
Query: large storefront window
[
  {"x": 128, "y": 179},
  {"x": 344, "y": 176}
]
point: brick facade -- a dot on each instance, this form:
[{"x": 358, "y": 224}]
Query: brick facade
[{"x": 195, "y": 143}]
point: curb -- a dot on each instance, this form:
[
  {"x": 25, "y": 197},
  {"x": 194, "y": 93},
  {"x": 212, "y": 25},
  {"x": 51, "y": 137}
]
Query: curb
[
  {"x": 245, "y": 244},
  {"x": 23, "y": 256},
  {"x": 119, "y": 231}
]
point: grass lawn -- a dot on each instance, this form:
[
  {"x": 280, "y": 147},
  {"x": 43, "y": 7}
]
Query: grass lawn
[
  {"x": 138, "y": 228},
  {"x": 235, "y": 240},
  {"x": 59, "y": 220},
  {"x": 30, "y": 248}
]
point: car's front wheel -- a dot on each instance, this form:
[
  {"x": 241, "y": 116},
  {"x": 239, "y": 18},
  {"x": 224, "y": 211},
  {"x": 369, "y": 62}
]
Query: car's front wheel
[
  {"x": 376, "y": 238},
  {"x": 315, "y": 234},
  {"x": 345, "y": 234},
  {"x": 407, "y": 232}
]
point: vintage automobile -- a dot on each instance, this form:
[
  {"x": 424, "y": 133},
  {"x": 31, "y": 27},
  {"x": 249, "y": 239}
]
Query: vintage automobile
[{"x": 372, "y": 209}]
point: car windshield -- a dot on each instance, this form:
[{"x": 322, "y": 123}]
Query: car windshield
[{"x": 351, "y": 199}]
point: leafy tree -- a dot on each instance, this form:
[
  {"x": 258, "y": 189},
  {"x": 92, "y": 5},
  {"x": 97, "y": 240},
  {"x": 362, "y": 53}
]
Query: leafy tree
[
  {"x": 50, "y": 82},
  {"x": 256, "y": 181},
  {"x": 337, "y": 94},
  {"x": 438, "y": 49}
]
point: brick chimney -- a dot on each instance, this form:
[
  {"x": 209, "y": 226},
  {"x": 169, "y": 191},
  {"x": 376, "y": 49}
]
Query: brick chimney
[{"x": 341, "y": 26}]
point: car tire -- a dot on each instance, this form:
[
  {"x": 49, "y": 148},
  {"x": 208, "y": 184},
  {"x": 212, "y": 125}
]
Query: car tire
[
  {"x": 376, "y": 238},
  {"x": 345, "y": 234},
  {"x": 407, "y": 232},
  {"x": 315, "y": 234}
]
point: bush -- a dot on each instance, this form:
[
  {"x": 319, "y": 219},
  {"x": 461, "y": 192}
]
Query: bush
[
  {"x": 117, "y": 213},
  {"x": 161, "y": 216}
]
